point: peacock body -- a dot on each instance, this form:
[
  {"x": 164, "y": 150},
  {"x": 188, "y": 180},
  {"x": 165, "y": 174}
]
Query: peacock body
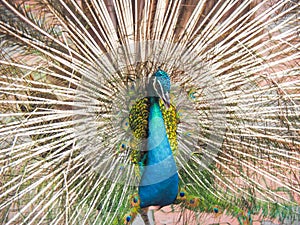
[{"x": 92, "y": 132}]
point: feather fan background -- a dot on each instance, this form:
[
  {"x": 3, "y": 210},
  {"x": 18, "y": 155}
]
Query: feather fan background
[{"x": 69, "y": 71}]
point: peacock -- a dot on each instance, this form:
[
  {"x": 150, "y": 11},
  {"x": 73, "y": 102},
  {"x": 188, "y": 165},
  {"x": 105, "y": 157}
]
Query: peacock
[
  {"x": 158, "y": 184},
  {"x": 152, "y": 111},
  {"x": 159, "y": 179}
]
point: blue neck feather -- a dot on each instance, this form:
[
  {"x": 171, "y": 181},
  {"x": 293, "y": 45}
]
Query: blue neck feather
[
  {"x": 159, "y": 148},
  {"x": 159, "y": 182}
]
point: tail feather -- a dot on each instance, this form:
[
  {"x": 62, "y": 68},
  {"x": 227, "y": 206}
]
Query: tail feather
[{"x": 71, "y": 72}]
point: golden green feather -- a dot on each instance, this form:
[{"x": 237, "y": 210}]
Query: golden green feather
[
  {"x": 138, "y": 118},
  {"x": 171, "y": 120}
]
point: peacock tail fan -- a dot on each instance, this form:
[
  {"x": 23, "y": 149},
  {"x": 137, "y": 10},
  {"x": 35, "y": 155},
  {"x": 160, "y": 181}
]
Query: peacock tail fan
[{"x": 74, "y": 108}]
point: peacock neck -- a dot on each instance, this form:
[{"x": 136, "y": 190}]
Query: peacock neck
[{"x": 158, "y": 144}]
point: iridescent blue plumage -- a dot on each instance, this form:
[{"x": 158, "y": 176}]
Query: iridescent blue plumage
[{"x": 159, "y": 181}]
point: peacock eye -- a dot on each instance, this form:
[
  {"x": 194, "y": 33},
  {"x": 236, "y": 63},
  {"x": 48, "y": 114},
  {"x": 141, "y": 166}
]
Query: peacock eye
[
  {"x": 216, "y": 210},
  {"x": 128, "y": 218},
  {"x": 122, "y": 146},
  {"x": 180, "y": 113},
  {"x": 125, "y": 124},
  {"x": 192, "y": 94},
  {"x": 188, "y": 133}
]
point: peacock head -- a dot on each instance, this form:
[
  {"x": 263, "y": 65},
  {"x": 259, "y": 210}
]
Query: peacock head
[{"x": 159, "y": 86}]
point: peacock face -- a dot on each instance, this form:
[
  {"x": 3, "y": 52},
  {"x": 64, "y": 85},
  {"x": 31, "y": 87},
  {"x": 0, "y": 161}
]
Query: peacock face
[{"x": 159, "y": 86}]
